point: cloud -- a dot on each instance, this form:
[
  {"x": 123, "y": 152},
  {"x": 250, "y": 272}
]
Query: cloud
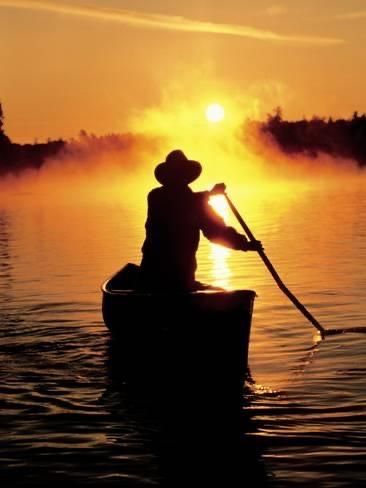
[
  {"x": 168, "y": 22},
  {"x": 275, "y": 10},
  {"x": 352, "y": 15}
]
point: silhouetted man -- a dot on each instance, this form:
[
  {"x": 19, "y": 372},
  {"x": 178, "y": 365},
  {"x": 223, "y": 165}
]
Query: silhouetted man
[{"x": 176, "y": 215}]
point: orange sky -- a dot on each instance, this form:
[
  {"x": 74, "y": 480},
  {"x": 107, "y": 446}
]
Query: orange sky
[{"x": 94, "y": 64}]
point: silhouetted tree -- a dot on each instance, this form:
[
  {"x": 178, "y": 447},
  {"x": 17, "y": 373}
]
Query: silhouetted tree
[
  {"x": 345, "y": 138},
  {"x": 14, "y": 158},
  {"x": 4, "y": 139},
  {"x": 1, "y": 119}
]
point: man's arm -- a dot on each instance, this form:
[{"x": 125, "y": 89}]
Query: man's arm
[{"x": 215, "y": 229}]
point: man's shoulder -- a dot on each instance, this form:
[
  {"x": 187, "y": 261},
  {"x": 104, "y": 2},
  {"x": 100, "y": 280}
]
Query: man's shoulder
[
  {"x": 155, "y": 192},
  {"x": 202, "y": 196},
  {"x": 160, "y": 192},
  {"x": 158, "y": 189}
]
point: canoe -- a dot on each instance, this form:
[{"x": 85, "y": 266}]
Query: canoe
[{"x": 202, "y": 332}]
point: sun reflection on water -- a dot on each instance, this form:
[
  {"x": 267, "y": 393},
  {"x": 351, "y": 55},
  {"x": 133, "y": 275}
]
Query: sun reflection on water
[
  {"x": 220, "y": 270},
  {"x": 219, "y": 255}
]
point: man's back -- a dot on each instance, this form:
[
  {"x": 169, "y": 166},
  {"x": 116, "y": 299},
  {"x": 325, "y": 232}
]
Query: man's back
[
  {"x": 172, "y": 237},
  {"x": 175, "y": 217}
]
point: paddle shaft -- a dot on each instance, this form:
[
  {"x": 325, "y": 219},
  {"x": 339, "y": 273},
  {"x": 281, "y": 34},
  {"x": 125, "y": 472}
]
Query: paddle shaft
[{"x": 273, "y": 272}]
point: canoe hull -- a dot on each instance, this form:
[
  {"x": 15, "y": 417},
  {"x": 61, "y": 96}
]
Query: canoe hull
[{"x": 204, "y": 331}]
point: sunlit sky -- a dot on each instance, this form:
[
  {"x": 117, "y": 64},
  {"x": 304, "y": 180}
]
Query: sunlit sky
[{"x": 94, "y": 64}]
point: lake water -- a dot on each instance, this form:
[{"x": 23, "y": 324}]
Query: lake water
[{"x": 62, "y": 417}]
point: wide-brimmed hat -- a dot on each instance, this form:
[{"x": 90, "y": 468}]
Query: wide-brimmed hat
[{"x": 177, "y": 168}]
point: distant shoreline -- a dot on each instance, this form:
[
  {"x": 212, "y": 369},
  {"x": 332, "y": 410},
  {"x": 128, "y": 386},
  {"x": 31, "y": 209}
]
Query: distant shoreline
[{"x": 340, "y": 138}]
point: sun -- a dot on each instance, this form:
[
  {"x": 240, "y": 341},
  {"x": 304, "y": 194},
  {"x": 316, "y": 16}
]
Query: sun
[{"x": 215, "y": 113}]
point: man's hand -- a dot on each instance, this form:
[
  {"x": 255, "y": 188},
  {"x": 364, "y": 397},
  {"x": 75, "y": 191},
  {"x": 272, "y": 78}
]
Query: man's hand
[
  {"x": 218, "y": 189},
  {"x": 247, "y": 245},
  {"x": 254, "y": 246}
]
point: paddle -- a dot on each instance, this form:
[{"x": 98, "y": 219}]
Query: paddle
[{"x": 221, "y": 189}]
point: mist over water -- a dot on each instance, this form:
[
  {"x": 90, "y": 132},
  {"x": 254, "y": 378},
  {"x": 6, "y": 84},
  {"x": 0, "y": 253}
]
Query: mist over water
[{"x": 92, "y": 168}]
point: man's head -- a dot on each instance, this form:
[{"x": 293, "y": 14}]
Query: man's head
[{"x": 177, "y": 169}]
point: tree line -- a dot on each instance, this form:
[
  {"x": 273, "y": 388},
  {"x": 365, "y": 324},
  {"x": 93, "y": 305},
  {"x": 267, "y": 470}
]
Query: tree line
[
  {"x": 340, "y": 138},
  {"x": 15, "y": 158}
]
